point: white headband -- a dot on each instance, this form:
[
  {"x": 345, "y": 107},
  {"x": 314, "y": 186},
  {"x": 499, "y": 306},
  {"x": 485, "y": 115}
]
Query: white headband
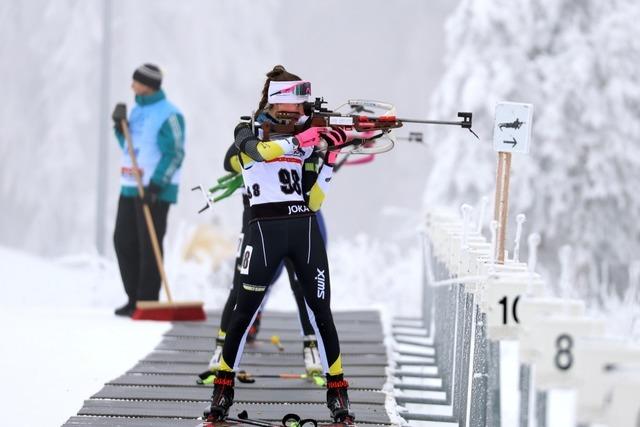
[{"x": 295, "y": 92}]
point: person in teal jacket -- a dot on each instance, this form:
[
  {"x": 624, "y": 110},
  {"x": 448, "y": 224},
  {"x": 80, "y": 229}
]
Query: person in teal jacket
[{"x": 157, "y": 132}]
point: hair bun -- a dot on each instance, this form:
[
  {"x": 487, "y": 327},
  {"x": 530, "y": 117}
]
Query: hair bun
[{"x": 277, "y": 70}]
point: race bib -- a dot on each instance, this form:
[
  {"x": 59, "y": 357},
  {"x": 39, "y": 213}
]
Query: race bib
[{"x": 246, "y": 260}]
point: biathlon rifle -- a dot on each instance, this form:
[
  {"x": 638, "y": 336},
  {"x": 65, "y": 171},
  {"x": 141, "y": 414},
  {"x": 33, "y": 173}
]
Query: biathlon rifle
[
  {"x": 320, "y": 116},
  {"x": 229, "y": 183}
]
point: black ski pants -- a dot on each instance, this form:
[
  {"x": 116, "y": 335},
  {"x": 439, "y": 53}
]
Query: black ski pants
[
  {"x": 267, "y": 243},
  {"x": 305, "y": 324},
  {"x": 136, "y": 260}
]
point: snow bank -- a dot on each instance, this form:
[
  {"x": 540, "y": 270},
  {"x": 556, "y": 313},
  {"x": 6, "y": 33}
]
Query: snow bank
[{"x": 61, "y": 341}]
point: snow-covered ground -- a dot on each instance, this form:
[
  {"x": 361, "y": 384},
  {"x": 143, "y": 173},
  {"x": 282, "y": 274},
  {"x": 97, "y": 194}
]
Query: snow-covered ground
[
  {"x": 60, "y": 339},
  {"x": 52, "y": 360}
]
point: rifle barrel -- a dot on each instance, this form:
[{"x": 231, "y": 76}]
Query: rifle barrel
[{"x": 432, "y": 122}]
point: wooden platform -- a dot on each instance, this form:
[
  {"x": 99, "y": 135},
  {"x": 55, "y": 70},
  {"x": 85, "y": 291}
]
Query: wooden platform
[{"x": 160, "y": 390}]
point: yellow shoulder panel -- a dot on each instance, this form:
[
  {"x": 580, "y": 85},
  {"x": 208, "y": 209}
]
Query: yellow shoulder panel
[
  {"x": 270, "y": 150},
  {"x": 235, "y": 164}
]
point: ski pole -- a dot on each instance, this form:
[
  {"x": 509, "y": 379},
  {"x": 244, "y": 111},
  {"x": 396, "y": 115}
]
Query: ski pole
[
  {"x": 208, "y": 376},
  {"x": 248, "y": 378},
  {"x": 244, "y": 416},
  {"x": 242, "y": 421}
]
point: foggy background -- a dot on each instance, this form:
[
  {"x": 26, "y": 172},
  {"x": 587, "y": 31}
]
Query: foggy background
[
  {"x": 214, "y": 56},
  {"x": 576, "y": 61}
]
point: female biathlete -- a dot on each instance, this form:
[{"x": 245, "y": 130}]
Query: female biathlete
[
  {"x": 310, "y": 353},
  {"x": 283, "y": 225}
]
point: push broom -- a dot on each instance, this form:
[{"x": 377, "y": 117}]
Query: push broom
[{"x": 156, "y": 310}]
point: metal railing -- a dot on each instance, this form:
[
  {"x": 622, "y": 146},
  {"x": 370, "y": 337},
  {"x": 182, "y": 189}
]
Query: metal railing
[{"x": 471, "y": 304}]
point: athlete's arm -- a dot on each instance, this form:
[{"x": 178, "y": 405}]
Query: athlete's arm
[
  {"x": 334, "y": 138},
  {"x": 320, "y": 188},
  {"x": 252, "y": 149},
  {"x": 231, "y": 160},
  {"x": 310, "y": 170}
]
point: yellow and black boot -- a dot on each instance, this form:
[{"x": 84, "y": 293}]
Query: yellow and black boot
[
  {"x": 222, "y": 397},
  {"x": 338, "y": 400}
]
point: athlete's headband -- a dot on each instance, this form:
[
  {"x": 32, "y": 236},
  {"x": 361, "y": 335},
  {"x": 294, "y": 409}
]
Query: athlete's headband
[{"x": 295, "y": 92}]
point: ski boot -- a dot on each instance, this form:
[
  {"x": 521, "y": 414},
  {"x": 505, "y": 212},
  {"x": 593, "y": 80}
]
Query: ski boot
[
  {"x": 214, "y": 363},
  {"x": 222, "y": 397},
  {"x": 252, "y": 335},
  {"x": 208, "y": 376},
  {"x": 312, "y": 363},
  {"x": 338, "y": 400}
]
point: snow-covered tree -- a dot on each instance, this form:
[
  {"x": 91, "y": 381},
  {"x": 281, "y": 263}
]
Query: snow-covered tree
[
  {"x": 577, "y": 62},
  {"x": 50, "y": 82}
]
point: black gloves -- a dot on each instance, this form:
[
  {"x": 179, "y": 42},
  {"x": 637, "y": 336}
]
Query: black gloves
[
  {"x": 151, "y": 193},
  {"x": 335, "y": 137},
  {"x": 119, "y": 114}
]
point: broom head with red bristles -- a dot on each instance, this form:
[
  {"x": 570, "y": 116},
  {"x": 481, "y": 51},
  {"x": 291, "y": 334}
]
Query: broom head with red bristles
[{"x": 169, "y": 311}]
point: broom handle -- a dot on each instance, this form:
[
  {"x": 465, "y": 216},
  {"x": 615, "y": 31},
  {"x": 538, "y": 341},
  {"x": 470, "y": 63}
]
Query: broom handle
[{"x": 147, "y": 212}]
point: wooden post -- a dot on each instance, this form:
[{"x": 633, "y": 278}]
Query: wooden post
[{"x": 501, "y": 211}]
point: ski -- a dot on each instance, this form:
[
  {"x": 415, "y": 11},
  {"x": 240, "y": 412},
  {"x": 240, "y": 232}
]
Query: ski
[
  {"x": 225, "y": 423},
  {"x": 289, "y": 420},
  {"x": 206, "y": 378},
  {"x": 236, "y": 422},
  {"x": 229, "y": 422},
  {"x": 233, "y": 422},
  {"x": 345, "y": 424}
]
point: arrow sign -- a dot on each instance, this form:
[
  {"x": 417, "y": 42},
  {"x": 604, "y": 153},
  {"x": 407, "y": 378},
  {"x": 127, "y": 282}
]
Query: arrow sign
[
  {"x": 512, "y": 128},
  {"x": 512, "y": 142}
]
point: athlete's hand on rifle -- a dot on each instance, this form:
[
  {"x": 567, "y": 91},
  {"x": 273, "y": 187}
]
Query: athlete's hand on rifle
[
  {"x": 311, "y": 137},
  {"x": 334, "y": 138},
  {"x": 119, "y": 114}
]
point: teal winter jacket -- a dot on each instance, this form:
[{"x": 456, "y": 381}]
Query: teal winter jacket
[{"x": 157, "y": 132}]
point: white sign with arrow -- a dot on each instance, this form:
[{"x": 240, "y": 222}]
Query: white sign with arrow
[{"x": 512, "y": 129}]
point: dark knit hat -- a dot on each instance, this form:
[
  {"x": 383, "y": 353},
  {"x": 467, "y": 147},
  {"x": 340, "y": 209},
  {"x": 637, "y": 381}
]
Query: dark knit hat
[{"x": 149, "y": 75}]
